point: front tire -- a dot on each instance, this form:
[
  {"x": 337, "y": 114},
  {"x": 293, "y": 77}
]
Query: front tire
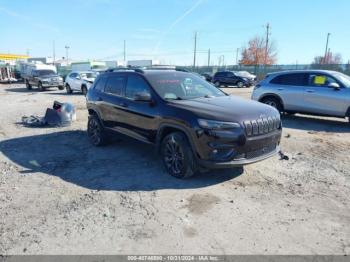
[
  {"x": 60, "y": 87},
  {"x": 96, "y": 132},
  {"x": 28, "y": 86},
  {"x": 177, "y": 156},
  {"x": 84, "y": 90},
  {"x": 271, "y": 101},
  {"x": 217, "y": 84},
  {"x": 40, "y": 87},
  {"x": 240, "y": 84},
  {"x": 68, "y": 89}
]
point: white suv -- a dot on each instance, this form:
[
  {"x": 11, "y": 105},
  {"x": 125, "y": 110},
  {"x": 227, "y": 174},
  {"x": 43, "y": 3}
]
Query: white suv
[{"x": 79, "y": 81}]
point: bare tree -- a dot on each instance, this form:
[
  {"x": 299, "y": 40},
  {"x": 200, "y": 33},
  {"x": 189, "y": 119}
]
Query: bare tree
[
  {"x": 256, "y": 53},
  {"x": 330, "y": 59}
]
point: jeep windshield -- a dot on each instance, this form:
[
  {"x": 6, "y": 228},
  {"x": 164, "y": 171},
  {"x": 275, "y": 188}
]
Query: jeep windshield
[
  {"x": 181, "y": 85},
  {"x": 45, "y": 72}
]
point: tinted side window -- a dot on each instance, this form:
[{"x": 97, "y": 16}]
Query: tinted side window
[
  {"x": 101, "y": 82},
  {"x": 299, "y": 79},
  {"x": 115, "y": 84},
  {"x": 219, "y": 75},
  {"x": 135, "y": 84},
  {"x": 73, "y": 75}
]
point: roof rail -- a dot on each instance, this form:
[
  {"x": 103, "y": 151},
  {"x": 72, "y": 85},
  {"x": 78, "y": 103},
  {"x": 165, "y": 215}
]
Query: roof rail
[{"x": 116, "y": 69}]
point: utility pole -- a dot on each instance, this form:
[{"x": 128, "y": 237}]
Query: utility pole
[
  {"x": 67, "y": 47},
  {"x": 124, "y": 53},
  {"x": 195, "y": 50},
  {"x": 208, "y": 57},
  {"x": 267, "y": 42},
  {"x": 53, "y": 52},
  {"x": 237, "y": 56},
  {"x": 325, "y": 52}
]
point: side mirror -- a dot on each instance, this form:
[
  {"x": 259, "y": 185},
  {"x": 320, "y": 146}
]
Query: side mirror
[
  {"x": 143, "y": 97},
  {"x": 335, "y": 86},
  {"x": 78, "y": 77}
]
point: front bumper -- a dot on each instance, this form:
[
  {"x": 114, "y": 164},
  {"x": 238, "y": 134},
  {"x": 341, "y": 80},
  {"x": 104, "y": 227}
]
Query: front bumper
[
  {"x": 222, "y": 149},
  {"x": 52, "y": 84},
  {"x": 238, "y": 162}
]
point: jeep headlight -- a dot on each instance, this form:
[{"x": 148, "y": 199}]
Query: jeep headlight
[{"x": 212, "y": 124}]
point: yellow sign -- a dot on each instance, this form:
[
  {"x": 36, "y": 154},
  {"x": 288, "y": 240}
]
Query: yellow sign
[
  {"x": 12, "y": 57},
  {"x": 319, "y": 80}
]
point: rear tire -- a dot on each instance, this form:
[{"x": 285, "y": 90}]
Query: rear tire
[
  {"x": 177, "y": 156},
  {"x": 96, "y": 132},
  {"x": 271, "y": 101},
  {"x": 60, "y": 87},
  {"x": 68, "y": 89}
]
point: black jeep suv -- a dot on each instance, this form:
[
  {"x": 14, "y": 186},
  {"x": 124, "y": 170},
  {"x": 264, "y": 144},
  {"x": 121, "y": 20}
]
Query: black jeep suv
[
  {"x": 191, "y": 122},
  {"x": 228, "y": 78}
]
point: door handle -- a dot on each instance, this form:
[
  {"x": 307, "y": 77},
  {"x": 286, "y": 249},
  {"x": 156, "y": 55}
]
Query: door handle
[
  {"x": 310, "y": 90},
  {"x": 122, "y": 104},
  {"x": 280, "y": 89},
  {"x": 99, "y": 99}
]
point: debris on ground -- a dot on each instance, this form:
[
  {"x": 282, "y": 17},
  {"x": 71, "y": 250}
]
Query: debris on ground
[
  {"x": 61, "y": 114},
  {"x": 283, "y": 156}
]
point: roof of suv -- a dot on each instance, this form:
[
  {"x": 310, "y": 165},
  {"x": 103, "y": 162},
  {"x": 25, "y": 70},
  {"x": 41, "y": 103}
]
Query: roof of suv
[{"x": 301, "y": 71}]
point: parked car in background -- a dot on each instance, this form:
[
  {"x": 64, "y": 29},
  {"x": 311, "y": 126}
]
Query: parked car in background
[
  {"x": 317, "y": 92},
  {"x": 79, "y": 81},
  {"x": 229, "y": 78},
  {"x": 40, "y": 75},
  {"x": 207, "y": 76},
  {"x": 191, "y": 122},
  {"x": 43, "y": 79},
  {"x": 246, "y": 74}
]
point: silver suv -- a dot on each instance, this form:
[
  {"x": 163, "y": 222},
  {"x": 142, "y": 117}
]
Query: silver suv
[{"x": 317, "y": 92}]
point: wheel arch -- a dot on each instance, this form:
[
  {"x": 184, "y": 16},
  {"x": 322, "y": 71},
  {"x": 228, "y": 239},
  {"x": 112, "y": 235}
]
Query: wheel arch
[
  {"x": 166, "y": 129},
  {"x": 264, "y": 96}
]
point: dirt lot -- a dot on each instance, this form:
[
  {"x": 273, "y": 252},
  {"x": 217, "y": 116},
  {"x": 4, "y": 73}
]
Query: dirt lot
[{"x": 60, "y": 195}]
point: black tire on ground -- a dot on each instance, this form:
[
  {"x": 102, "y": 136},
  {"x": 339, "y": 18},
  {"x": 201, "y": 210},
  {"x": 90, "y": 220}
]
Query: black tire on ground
[
  {"x": 274, "y": 102},
  {"x": 84, "y": 90},
  {"x": 217, "y": 84},
  {"x": 60, "y": 87},
  {"x": 96, "y": 132},
  {"x": 29, "y": 87},
  {"x": 68, "y": 89},
  {"x": 40, "y": 87},
  {"x": 240, "y": 84},
  {"x": 177, "y": 156}
]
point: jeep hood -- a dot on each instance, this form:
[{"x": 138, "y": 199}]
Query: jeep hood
[{"x": 227, "y": 108}]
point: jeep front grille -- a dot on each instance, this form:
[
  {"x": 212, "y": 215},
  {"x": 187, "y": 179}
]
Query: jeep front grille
[{"x": 262, "y": 126}]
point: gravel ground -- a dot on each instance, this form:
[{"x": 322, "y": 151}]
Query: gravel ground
[{"x": 60, "y": 195}]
